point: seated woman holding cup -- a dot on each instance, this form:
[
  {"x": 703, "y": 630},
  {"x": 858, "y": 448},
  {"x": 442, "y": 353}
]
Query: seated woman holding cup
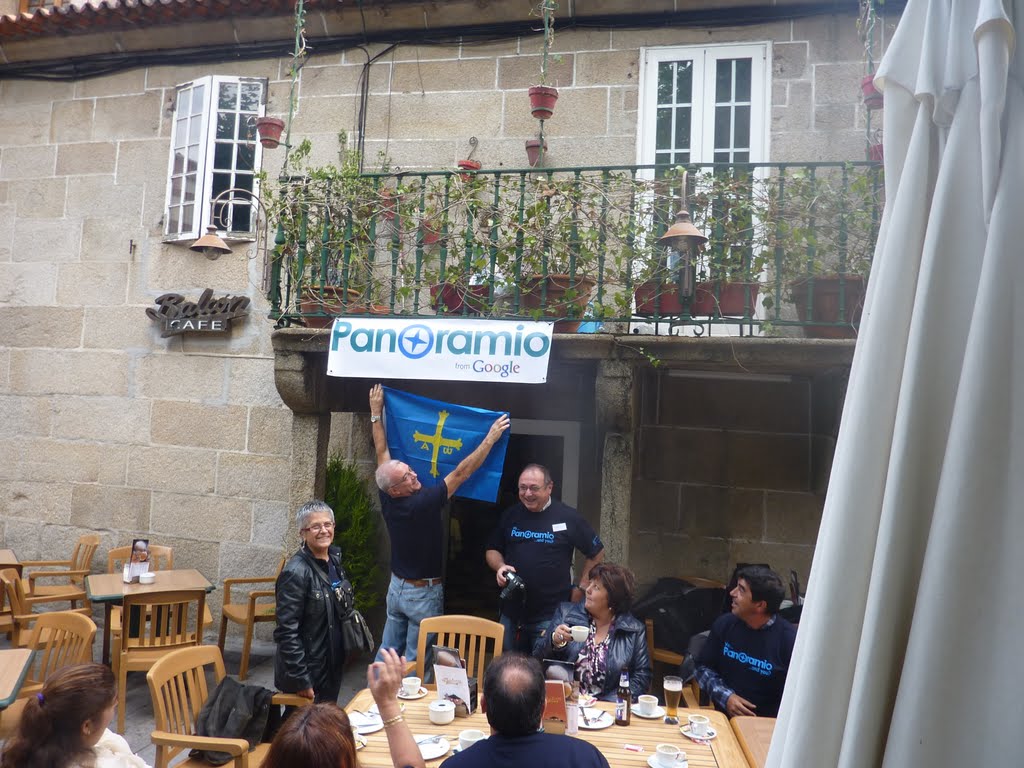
[{"x": 600, "y": 636}]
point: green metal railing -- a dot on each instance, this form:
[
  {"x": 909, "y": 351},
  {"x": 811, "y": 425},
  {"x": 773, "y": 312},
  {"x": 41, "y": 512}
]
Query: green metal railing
[{"x": 790, "y": 244}]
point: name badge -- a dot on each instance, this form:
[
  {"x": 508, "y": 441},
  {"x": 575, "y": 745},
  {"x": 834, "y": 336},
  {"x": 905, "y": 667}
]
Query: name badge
[{"x": 558, "y": 527}]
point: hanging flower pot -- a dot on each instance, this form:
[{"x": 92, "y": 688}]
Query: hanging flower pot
[
  {"x": 872, "y": 96},
  {"x": 269, "y": 129},
  {"x": 542, "y": 101},
  {"x": 470, "y": 167},
  {"x": 533, "y": 151}
]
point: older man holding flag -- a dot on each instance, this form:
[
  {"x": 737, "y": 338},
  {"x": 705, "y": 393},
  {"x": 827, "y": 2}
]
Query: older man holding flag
[{"x": 436, "y": 437}]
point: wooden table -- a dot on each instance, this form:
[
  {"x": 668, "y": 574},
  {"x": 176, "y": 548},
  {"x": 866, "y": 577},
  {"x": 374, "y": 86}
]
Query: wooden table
[
  {"x": 755, "y": 737},
  {"x": 14, "y": 664},
  {"x": 109, "y": 589},
  {"x": 9, "y": 560},
  {"x": 723, "y": 752}
]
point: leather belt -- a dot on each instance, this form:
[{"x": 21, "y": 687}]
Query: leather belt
[{"x": 421, "y": 582}]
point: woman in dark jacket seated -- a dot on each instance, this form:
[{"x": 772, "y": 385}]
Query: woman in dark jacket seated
[
  {"x": 617, "y": 639},
  {"x": 310, "y": 652}
]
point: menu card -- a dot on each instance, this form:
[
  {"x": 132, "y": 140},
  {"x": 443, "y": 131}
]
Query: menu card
[
  {"x": 452, "y": 681},
  {"x": 138, "y": 562}
]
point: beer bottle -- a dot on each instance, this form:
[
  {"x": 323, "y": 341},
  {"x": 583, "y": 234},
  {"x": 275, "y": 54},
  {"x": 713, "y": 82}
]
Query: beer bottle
[{"x": 623, "y": 700}]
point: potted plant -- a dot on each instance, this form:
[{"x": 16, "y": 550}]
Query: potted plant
[{"x": 543, "y": 96}]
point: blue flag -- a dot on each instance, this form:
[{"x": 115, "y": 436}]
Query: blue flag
[{"x": 433, "y": 437}]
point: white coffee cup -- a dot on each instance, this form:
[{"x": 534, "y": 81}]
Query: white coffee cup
[
  {"x": 669, "y": 755},
  {"x": 147, "y": 578},
  {"x": 441, "y": 712},
  {"x": 580, "y": 633},
  {"x": 699, "y": 725},
  {"x": 646, "y": 704},
  {"x": 410, "y": 686},
  {"x": 470, "y": 737}
]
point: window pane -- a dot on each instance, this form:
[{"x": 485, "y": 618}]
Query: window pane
[
  {"x": 193, "y": 158},
  {"x": 198, "y": 97},
  {"x": 722, "y": 157},
  {"x": 741, "y": 133},
  {"x": 665, "y": 69},
  {"x": 223, "y": 154},
  {"x": 244, "y": 181},
  {"x": 187, "y": 217},
  {"x": 194, "y": 130},
  {"x": 179, "y": 162},
  {"x": 176, "y": 187},
  {"x": 682, "y": 128},
  {"x": 183, "y": 99},
  {"x": 225, "y": 125},
  {"x": 190, "y": 188},
  {"x": 664, "y": 132},
  {"x": 743, "y": 79},
  {"x": 240, "y": 218},
  {"x": 251, "y": 93},
  {"x": 180, "y": 132},
  {"x": 684, "y": 82},
  {"x": 228, "y": 96},
  {"x": 221, "y": 181},
  {"x": 246, "y": 157},
  {"x": 722, "y": 116},
  {"x": 741, "y": 157},
  {"x": 723, "y": 81},
  {"x": 247, "y": 130}
]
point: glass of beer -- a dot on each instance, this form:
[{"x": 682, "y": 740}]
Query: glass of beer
[{"x": 673, "y": 690}]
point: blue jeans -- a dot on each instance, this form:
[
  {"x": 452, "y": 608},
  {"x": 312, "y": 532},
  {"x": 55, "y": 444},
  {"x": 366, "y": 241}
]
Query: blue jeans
[
  {"x": 407, "y": 607},
  {"x": 529, "y": 634}
]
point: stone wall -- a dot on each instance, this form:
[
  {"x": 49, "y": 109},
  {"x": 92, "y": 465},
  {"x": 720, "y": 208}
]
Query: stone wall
[{"x": 106, "y": 426}]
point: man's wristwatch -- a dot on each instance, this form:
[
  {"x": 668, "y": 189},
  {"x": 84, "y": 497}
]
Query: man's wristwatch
[{"x": 374, "y": 419}]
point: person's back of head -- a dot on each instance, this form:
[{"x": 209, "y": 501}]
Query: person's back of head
[
  {"x": 317, "y": 736},
  {"x": 60, "y": 724},
  {"x": 514, "y": 694}
]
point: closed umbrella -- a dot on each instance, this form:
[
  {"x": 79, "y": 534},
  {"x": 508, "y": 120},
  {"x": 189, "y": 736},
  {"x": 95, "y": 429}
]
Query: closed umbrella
[{"x": 907, "y": 649}]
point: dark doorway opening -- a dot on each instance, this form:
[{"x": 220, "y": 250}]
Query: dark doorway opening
[{"x": 470, "y": 587}]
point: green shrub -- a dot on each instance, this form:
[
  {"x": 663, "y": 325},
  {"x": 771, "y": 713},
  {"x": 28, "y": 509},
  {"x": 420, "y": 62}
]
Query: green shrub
[{"x": 356, "y": 529}]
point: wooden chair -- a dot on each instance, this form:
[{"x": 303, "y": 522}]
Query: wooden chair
[
  {"x": 21, "y": 605},
  {"x": 59, "y": 638},
  {"x": 179, "y": 686},
  {"x": 157, "y": 623},
  {"x": 247, "y": 613},
  {"x": 77, "y": 568},
  {"x": 468, "y": 634}
]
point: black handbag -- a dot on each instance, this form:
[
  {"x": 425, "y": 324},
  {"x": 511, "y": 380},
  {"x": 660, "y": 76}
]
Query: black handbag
[{"x": 356, "y": 636}]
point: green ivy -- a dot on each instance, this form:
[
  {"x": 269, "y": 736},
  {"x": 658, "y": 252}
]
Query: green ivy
[{"x": 356, "y": 529}]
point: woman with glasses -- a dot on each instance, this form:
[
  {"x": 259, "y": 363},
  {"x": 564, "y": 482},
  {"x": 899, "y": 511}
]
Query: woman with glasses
[{"x": 310, "y": 652}]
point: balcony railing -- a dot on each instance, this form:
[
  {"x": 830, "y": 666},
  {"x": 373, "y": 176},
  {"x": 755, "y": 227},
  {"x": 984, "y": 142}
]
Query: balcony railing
[{"x": 789, "y": 245}]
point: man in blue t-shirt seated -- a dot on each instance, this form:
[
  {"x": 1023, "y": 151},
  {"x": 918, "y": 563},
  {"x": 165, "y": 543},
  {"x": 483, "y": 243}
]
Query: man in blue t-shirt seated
[
  {"x": 514, "y": 700},
  {"x": 744, "y": 662}
]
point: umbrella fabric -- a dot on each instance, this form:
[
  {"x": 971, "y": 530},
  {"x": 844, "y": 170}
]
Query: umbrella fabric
[{"x": 906, "y": 654}]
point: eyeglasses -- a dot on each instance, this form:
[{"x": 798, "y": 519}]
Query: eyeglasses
[
  {"x": 318, "y": 528},
  {"x": 531, "y": 488}
]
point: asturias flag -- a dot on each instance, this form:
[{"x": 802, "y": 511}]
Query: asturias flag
[{"x": 433, "y": 437}]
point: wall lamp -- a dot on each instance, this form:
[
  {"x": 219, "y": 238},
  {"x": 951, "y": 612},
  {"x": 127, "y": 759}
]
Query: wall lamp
[
  {"x": 684, "y": 242},
  {"x": 211, "y": 245}
]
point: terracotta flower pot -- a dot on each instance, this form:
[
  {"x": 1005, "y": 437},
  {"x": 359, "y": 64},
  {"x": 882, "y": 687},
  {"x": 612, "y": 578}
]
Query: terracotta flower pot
[
  {"x": 825, "y": 306},
  {"x": 533, "y": 151},
  {"x": 655, "y": 297},
  {"x": 451, "y": 299},
  {"x": 873, "y": 98},
  {"x": 720, "y": 298},
  {"x": 269, "y": 129},
  {"x": 558, "y": 301},
  {"x": 542, "y": 101}
]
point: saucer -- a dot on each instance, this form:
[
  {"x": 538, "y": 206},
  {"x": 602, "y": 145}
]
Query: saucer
[
  {"x": 652, "y": 761},
  {"x": 597, "y": 722},
  {"x": 419, "y": 694},
  {"x": 658, "y": 712},
  {"x": 364, "y": 724},
  {"x": 432, "y": 749},
  {"x": 685, "y": 730}
]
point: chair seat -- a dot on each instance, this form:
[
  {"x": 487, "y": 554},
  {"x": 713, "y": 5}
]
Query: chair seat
[
  {"x": 256, "y": 757},
  {"x": 59, "y": 590},
  {"x": 239, "y": 612}
]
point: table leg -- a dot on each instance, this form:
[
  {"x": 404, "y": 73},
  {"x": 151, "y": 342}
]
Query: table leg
[{"x": 106, "y": 632}]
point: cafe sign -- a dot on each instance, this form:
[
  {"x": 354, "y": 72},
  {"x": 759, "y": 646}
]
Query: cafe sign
[{"x": 208, "y": 315}]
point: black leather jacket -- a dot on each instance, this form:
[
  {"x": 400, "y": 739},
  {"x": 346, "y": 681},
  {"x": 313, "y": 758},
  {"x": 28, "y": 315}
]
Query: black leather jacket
[
  {"x": 306, "y": 657},
  {"x": 627, "y": 649}
]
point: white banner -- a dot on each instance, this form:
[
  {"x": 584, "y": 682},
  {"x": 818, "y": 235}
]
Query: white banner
[{"x": 445, "y": 350}]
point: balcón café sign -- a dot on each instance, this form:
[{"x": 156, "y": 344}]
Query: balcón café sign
[{"x": 208, "y": 315}]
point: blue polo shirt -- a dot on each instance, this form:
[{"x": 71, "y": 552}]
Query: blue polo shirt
[{"x": 416, "y": 531}]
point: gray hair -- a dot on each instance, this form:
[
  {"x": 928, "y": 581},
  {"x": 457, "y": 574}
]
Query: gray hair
[
  {"x": 312, "y": 507},
  {"x": 385, "y": 474}
]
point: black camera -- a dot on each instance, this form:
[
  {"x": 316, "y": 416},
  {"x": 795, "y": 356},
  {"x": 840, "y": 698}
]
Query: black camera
[{"x": 513, "y": 586}]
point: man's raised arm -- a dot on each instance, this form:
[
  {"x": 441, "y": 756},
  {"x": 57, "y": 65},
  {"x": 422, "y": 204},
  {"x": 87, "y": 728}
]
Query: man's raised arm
[
  {"x": 472, "y": 463},
  {"x": 380, "y": 442}
]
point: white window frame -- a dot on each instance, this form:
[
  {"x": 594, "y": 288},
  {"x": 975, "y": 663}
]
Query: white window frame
[
  {"x": 703, "y": 125},
  {"x": 208, "y": 145}
]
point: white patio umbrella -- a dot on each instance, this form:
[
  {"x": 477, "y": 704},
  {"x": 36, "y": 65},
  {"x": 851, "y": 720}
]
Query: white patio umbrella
[{"x": 907, "y": 653}]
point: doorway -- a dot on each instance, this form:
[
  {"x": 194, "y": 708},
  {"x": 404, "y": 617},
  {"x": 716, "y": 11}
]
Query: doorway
[{"x": 470, "y": 587}]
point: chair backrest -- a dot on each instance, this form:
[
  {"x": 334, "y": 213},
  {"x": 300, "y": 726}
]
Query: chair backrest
[
  {"x": 179, "y": 687},
  {"x": 468, "y": 634},
  {"x": 14, "y": 592},
  {"x": 81, "y": 556},
  {"x": 60, "y": 638},
  {"x": 163, "y": 620},
  {"x": 161, "y": 558}
]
